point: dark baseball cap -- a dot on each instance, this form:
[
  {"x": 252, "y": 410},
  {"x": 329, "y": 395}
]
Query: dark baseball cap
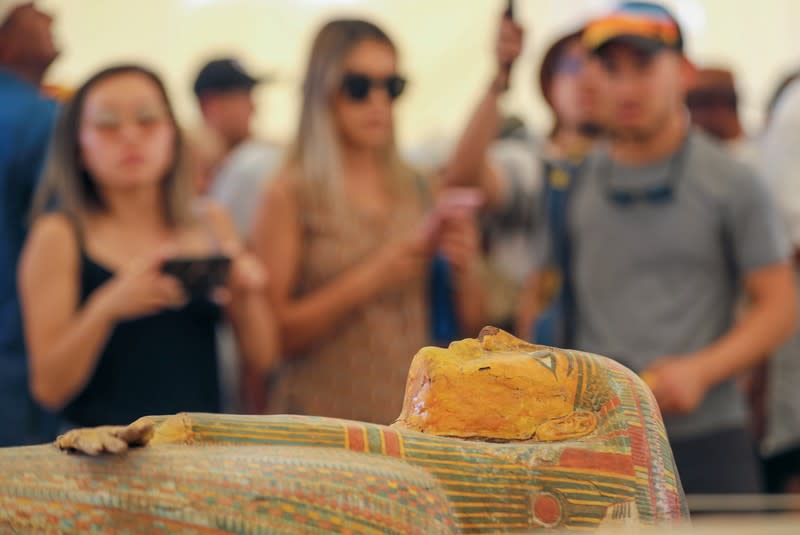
[
  {"x": 646, "y": 26},
  {"x": 223, "y": 75}
]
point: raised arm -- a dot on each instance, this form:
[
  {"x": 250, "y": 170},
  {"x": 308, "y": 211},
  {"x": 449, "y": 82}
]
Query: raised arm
[{"x": 469, "y": 164}]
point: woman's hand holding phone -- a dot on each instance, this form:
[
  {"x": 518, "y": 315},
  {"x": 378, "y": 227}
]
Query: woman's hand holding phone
[
  {"x": 247, "y": 275},
  {"x": 141, "y": 289}
]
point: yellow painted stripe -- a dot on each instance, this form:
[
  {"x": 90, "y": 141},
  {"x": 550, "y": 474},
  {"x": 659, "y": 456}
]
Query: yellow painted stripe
[
  {"x": 425, "y": 451},
  {"x": 670, "y": 487},
  {"x": 601, "y": 473},
  {"x": 595, "y": 492},
  {"x": 592, "y": 372},
  {"x": 473, "y": 484},
  {"x": 441, "y": 470},
  {"x": 492, "y": 514},
  {"x": 586, "y": 519},
  {"x": 297, "y": 440},
  {"x": 496, "y": 526},
  {"x": 270, "y": 426},
  {"x": 591, "y": 502},
  {"x": 269, "y": 432},
  {"x": 483, "y": 494},
  {"x": 590, "y": 485},
  {"x": 476, "y": 466},
  {"x": 265, "y": 435},
  {"x": 489, "y": 505}
]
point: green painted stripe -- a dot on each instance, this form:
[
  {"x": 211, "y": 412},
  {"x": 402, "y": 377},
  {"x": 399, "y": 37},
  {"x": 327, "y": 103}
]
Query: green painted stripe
[
  {"x": 299, "y": 430},
  {"x": 374, "y": 440},
  {"x": 579, "y": 387},
  {"x": 279, "y": 442}
]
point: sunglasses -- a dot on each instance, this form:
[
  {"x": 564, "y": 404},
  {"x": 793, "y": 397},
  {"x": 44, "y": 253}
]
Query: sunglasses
[
  {"x": 657, "y": 195},
  {"x": 570, "y": 66},
  {"x": 358, "y": 86},
  {"x": 111, "y": 121}
]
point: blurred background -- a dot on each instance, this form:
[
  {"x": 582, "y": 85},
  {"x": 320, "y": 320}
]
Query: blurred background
[{"x": 445, "y": 47}]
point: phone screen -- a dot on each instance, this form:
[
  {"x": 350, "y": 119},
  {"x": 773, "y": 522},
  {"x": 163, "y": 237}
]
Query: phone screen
[{"x": 199, "y": 275}]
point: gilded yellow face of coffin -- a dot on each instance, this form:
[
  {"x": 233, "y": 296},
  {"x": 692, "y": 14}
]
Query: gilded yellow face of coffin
[{"x": 497, "y": 387}]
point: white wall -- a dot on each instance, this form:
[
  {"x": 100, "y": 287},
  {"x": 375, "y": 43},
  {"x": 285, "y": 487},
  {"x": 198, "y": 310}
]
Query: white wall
[{"x": 445, "y": 45}]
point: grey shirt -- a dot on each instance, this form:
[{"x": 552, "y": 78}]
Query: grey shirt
[
  {"x": 655, "y": 279},
  {"x": 515, "y": 237},
  {"x": 237, "y": 187},
  {"x": 240, "y": 179}
]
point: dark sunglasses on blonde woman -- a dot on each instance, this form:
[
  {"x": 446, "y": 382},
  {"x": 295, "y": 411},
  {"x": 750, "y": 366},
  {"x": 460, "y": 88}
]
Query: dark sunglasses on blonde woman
[{"x": 358, "y": 86}]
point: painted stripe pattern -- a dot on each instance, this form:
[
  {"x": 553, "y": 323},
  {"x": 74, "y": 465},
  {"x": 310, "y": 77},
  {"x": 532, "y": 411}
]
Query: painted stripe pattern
[{"x": 252, "y": 474}]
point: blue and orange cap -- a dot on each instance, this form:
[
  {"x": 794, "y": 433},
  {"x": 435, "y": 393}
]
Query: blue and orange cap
[{"x": 643, "y": 25}]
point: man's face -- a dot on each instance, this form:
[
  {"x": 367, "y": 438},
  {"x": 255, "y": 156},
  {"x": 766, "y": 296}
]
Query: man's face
[
  {"x": 229, "y": 114},
  {"x": 27, "y": 38},
  {"x": 644, "y": 89}
]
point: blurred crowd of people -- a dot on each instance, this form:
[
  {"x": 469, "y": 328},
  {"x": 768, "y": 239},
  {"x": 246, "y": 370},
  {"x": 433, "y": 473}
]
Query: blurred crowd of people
[{"x": 646, "y": 226}]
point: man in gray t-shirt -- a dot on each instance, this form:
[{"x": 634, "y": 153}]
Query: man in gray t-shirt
[
  {"x": 661, "y": 277},
  {"x": 665, "y": 233}
]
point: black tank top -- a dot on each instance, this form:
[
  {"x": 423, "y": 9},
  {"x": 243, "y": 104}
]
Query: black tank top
[{"x": 154, "y": 365}]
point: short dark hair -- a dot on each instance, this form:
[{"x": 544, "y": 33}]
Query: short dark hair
[{"x": 549, "y": 66}]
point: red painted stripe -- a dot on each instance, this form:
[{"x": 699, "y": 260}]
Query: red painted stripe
[
  {"x": 610, "y": 405},
  {"x": 355, "y": 437},
  {"x": 614, "y": 463},
  {"x": 640, "y": 448},
  {"x": 392, "y": 440}
]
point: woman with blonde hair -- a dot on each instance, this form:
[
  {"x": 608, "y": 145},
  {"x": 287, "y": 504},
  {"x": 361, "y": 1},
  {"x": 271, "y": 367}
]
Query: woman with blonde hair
[
  {"x": 110, "y": 335},
  {"x": 344, "y": 234}
]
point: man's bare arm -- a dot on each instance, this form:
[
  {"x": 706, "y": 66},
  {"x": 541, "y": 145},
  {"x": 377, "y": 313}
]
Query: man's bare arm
[{"x": 469, "y": 164}]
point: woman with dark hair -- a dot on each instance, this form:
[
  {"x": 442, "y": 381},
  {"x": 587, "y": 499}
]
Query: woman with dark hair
[
  {"x": 344, "y": 235},
  {"x": 110, "y": 335}
]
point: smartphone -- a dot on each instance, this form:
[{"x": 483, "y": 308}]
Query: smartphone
[
  {"x": 460, "y": 198},
  {"x": 510, "y": 9},
  {"x": 199, "y": 275}
]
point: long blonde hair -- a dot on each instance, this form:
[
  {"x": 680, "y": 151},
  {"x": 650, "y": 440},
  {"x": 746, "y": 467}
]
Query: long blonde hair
[
  {"x": 67, "y": 185},
  {"x": 314, "y": 157}
]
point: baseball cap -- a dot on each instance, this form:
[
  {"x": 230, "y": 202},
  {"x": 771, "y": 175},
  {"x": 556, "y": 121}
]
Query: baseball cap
[
  {"x": 648, "y": 27},
  {"x": 7, "y": 7},
  {"x": 222, "y": 75}
]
